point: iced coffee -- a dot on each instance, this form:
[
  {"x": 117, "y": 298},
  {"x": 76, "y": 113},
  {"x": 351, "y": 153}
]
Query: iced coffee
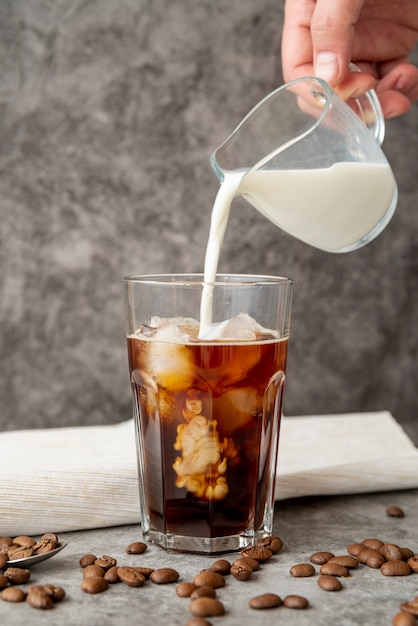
[{"x": 207, "y": 413}]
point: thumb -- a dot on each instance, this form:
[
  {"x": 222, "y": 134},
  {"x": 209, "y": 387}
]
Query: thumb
[{"x": 332, "y": 32}]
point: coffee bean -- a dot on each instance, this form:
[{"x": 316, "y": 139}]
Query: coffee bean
[
  {"x": 50, "y": 537},
  {"x": 145, "y": 571},
  {"x": 54, "y": 591},
  {"x": 197, "y": 621},
  {"x": 18, "y": 552},
  {"x": 3, "y": 560},
  {"x": 413, "y": 563},
  {"x": 391, "y": 552},
  {"x": 4, "y": 581},
  {"x": 355, "y": 548},
  {"x": 295, "y": 602},
  {"x": 319, "y": 558},
  {"x": 87, "y": 559},
  {"x": 301, "y": 570},
  {"x": 334, "y": 569},
  {"x": 165, "y": 575},
  {"x": 406, "y": 553},
  {"x": 130, "y": 576},
  {"x": 255, "y": 565},
  {"x": 24, "y": 541},
  {"x": 241, "y": 571},
  {"x": 203, "y": 592},
  {"x": 260, "y": 554},
  {"x": 17, "y": 576},
  {"x": 396, "y": 568},
  {"x": 349, "y": 562},
  {"x": 404, "y": 619},
  {"x": 111, "y": 575},
  {"x": 374, "y": 544},
  {"x": 137, "y": 547},
  {"x": 5, "y": 542},
  {"x": 185, "y": 589},
  {"x": 395, "y": 511},
  {"x": 93, "y": 571},
  {"x": 39, "y": 599},
  {"x": 222, "y": 566},
  {"x": 206, "y": 607},
  {"x": 274, "y": 543},
  {"x": 410, "y": 607},
  {"x": 371, "y": 557},
  {"x": 329, "y": 583},
  {"x": 207, "y": 577},
  {"x": 95, "y": 584},
  {"x": 265, "y": 601},
  {"x": 106, "y": 562},
  {"x": 13, "y": 594},
  {"x": 46, "y": 544}
]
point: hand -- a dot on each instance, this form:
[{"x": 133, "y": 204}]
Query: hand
[{"x": 321, "y": 37}]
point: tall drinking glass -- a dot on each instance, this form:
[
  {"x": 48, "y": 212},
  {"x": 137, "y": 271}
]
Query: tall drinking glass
[{"x": 207, "y": 411}]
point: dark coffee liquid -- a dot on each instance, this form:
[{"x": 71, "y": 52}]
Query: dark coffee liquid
[{"x": 208, "y": 421}]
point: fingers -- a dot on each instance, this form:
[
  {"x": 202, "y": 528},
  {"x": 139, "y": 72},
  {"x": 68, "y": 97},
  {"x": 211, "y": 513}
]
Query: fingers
[
  {"x": 398, "y": 88},
  {"x": 332, "y": 32}
]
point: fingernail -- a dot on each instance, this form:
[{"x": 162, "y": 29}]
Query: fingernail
[{"x": 326, "y": 66}]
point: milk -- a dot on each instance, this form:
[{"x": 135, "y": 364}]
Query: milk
[{"x": 328, "y": 208}]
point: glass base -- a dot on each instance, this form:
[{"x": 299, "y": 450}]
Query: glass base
[{"x": 202, "y": 545}]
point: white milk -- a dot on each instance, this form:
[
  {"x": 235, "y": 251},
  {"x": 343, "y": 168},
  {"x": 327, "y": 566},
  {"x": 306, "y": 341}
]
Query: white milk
[{"x": 327, "y": 208}]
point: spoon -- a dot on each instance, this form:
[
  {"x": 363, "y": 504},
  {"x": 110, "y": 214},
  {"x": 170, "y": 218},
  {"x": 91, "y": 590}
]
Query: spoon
[{"x": 36, "y": 558}]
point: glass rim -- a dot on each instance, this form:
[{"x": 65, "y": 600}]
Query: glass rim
[{"x": 197, "y": 279}]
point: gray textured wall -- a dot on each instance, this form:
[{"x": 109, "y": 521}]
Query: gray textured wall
[{"x": 109, "y": 113}]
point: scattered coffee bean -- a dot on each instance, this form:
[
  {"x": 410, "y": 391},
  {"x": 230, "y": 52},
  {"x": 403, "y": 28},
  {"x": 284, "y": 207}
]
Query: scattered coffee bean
[
  {"x": 130, "y": 576},
  {"x": 413, "y": 563},
  {"x": 39, "y": 599},
  {"x": 207, "y": 577},
  {"x": 94, "y": 584},
  {"x": 374, "y": 544},
  {"x": 54, "y": 591},
  {"x": 410, "y": 607},
  {"x": 301, "y": 570},
  {"x": 371, "y": 557},
  {"x": 206, "y": 607},
  {"x": 241, "y": 571},
  {"x": 295, "y": 602},
  {"x": 222, "y": 566},
  {"x": 255, "y": 565},
  {"x": 13, "y": 594},
  {"x": 395, "y": 511},
  {"x": 265, "y": 601},
  {"x": 4, "y": 581},
  {"x": 93, "y": 571},
  {"x": 274, "y": 543},
  {"x": 319, "y": 558},
  {"x": 111, "y": 575},
  {"x": 203, "y": 592},
  {"x": 396, "y": 568},
  {"x": 406, "y": 553},
  {"x": 260, "y": 554},
  {"x": 350, "y": 562},
  {"x": 329, "y": 583},
  {"x": 185, "y": 589},
  {"x": 355, "y": 548},
  {"x": 404, "y": 619},
  {"x": 17, "y": 575},
  {"x": 166, "y": 575},
  {"x": 87, "y": 559},
  {"x": 137, "y": 547},
  {"x": 106, "y": 562},
  {"x": 334, "y": 569},
  {"x": 3, "y": 560},
  {"x": 145, "y": 571},
  {"x": 391, "y": 552}
]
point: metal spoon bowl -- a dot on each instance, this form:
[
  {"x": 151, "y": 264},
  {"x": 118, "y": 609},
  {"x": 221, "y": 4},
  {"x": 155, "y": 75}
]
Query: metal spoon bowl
[{"x": 28, "y": 561}]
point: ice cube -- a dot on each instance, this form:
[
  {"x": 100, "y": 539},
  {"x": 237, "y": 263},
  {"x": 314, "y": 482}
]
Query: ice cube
[{"x": 240, "y": 328}]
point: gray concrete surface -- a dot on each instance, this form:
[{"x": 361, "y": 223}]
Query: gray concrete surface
[
  {"x": 367, "y": 599},
  {"x": 110, "y": 112}
]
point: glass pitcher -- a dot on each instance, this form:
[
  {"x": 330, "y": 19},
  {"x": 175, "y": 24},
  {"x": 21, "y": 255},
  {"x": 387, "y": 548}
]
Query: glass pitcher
[{"x": 312, "y": 164}]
